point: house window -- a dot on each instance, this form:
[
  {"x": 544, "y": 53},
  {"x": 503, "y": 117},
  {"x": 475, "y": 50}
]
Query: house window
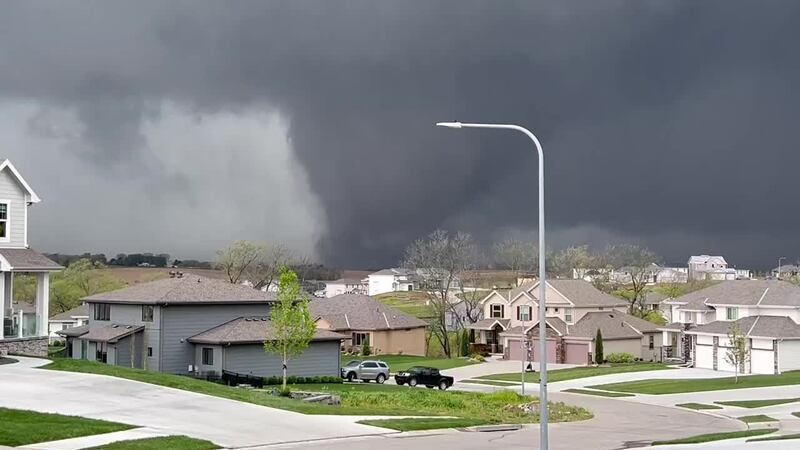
[
  {"x": 102, "y": 311},
  {"x": 147, "y": 313},
  {"x": 732, "y": 313},
  {"x": 150, "y": 351},
  {"x": 360, "y": 338},
  {"x": 568, "y": 315},
  {"x": 3, "y": 220},
  {"x": 555, "y": 309},
  {"x": 524, "y": 313},
  {"x": 651, "y": 342},
  {"x": 496, "y": 312},
  {"x": 208, "y": 356}
]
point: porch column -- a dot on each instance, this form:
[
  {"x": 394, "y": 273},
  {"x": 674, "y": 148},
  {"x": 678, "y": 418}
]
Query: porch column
[
  {"x": 42, "y": 303},
  {"x": 2, "y": 305}
]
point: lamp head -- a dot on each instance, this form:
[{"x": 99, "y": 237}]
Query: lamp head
[{"x": 449, "y": 124}]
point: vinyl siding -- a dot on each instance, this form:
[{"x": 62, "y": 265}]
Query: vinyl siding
[
  {"x": 217, "y": 362},
  {"x": 788, "y": 355},
  {"x": 14, "y": 194},
  {"x": 132, "y": 315},
  {"x": 321, "y": 358},
  {"x": 180, "y": 322},
  {"x": 123, "y": 351}
]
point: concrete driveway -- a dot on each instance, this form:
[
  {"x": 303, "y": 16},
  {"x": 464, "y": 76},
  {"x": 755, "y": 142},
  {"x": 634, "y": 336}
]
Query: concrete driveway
[
  {"x": 171, "y": 411},
  {"x": 494, "y": 366}
]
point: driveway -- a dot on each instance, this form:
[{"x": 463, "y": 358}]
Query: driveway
[
  {"x": 225, "y": 422},
  {"x": 494, "y": 366}
]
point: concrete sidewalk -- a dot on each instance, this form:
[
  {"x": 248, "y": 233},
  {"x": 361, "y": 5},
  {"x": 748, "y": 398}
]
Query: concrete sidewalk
[{"x": 495, "y": 366}]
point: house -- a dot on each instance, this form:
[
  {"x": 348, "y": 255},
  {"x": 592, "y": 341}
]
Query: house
[
  {"x": 767, "y": 312},
  {"x": 22, "y": 331},
  {"x": 192, "y": 325},
  {"x": 653, "y": 274},
  {"x": 706, "y": 267},
  {"x": 575, "y": 311},
  {"x": 653, "y": 301},
  {"x": 785, "y": 271},
  {"x": 345, "y": 286},
  {"x": 391, "y": 280},
  {"x": 74, "y": 317},
  {"x": 363, "y": 319}
]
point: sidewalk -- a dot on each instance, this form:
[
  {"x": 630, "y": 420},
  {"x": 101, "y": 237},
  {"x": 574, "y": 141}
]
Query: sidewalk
[{"x": 97, "y": 439}]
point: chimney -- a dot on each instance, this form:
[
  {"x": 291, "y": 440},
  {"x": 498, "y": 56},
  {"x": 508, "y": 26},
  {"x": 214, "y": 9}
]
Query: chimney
[{"x": 172, "y": 274}]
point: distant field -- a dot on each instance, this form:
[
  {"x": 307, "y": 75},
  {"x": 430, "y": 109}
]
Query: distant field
[
  {"x": 413, "y": 303},
  {"x": 134, "y": 275}
]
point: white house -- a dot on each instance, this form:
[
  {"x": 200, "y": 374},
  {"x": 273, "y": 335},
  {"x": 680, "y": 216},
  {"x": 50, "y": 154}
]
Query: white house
[
  {"x": 75, "y": 317},
  {"x": 391, "y": 280},
  {"x": 345, "y": 286},
  {"x": 767, "y": 312},
  {"x": 706, "y": 267},
  {"x": 21, "y": 332}
]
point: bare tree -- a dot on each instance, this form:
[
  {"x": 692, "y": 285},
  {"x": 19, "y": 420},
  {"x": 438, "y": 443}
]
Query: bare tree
[
  {"x": 439, "y": 261},
  {"x": 638, "y": 265},
  {"x": 571, "y": 258},
  {"x": 236, "y": 259},
  {"x": 266, "y": 269},
  {"x": 516, "y": 255}
]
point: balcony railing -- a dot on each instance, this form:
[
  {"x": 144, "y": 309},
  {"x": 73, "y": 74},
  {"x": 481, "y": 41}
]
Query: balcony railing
[{"x": 20, "y": 325}]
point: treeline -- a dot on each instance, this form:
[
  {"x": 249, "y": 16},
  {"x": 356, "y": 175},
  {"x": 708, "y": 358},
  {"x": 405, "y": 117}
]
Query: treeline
[{"x": 140, "y": 259}]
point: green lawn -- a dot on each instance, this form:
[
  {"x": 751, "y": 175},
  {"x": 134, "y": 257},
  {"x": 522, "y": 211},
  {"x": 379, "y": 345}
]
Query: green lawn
[
  {"x": 357, "y": 398},
  {"x": 758, "y": 418},
  {"x": 423, "y": 424},
  {"x": 18, "y": 427},
  {"x": 759, "y": 403},
  {"x": 796, "y": 414},
  {"x": 490, "y": 382},
  {"x": 782, "y": 437},
  {"x": 577, "y": 372},
  {"x": 679, "y": 386},
  {"x": 597, "y": 393},
  {"x": 698, "y": 406},
  {"x": 412, "y": 303},
  {"x": 398, "y": 363},
  {"x": 170, "y": 442},
  {"x": 700, "y": 438}
]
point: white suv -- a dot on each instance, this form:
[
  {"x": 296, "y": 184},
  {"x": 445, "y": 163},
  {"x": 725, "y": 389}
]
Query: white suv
[{"x": 366, "y": 371}]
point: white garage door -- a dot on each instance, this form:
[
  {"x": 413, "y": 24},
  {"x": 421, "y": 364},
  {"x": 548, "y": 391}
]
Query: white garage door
[
  {"x": 723, "y": 365},
  {"x": 789, "y": 355},
  {"x": 762, "y": 361},
  {"x": 705, "y": 357}
]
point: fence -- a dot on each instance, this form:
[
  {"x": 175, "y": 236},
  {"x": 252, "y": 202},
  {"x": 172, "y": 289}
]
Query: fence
[{"x": 235, "y": 379}]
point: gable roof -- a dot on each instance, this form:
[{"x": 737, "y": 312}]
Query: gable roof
[
  {"x": 745, "y": 293},
  {"x": 7, "y": 165},
  {"x": 78, "y": 311},
  {"x": 612, "y": 324},
  {"x": 250, "y": 330},
  {"x": 111, "y": 333},
  {"x": 488, "y": 324},
  {"x": 583, "y": 294},
  {"x": 361, "y": 312},
  {"x": 21, "y": 259},
  {"x": 753, "y": 326},
  {"x": 394, "y": 271},
  {"x": 189, "y": 289},
  {"x": 703, "y": 259},
  {"x": 74, "y": 331},
  {"x": 654, "y": 298}
]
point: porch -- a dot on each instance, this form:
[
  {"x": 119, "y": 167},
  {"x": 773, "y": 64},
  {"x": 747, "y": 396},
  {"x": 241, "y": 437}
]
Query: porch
[{"x": 487, "y": 339}]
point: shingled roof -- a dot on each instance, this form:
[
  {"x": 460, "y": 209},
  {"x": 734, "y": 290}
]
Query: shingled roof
[
  {"x": 745, "y": 293},
  {"x": 754, "y": 326},
  {"x": 361, "y": 312},
  {"x": 78, "y": 311},
  {"x": 583, "y": 294},
  {"x": 111, "y": 333},
  {"x": 73, "y": 331},
  {"x": 22, "y": 259},
  {"x": 612, "y": 324},
  {"x": 250, "y": 330},
  {"x": 189, "y": 289}
]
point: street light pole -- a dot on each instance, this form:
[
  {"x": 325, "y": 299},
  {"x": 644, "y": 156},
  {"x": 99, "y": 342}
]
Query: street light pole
[{"x": 543, "y": 445}]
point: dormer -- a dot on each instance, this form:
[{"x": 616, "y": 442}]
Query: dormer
[{"x": 15, "y": 198}]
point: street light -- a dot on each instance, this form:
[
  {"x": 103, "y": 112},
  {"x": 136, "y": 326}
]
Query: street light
[{"x": 542, "y": 308}]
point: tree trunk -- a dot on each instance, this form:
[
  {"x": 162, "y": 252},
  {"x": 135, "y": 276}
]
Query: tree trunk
[{"x": 284, "y": 373}]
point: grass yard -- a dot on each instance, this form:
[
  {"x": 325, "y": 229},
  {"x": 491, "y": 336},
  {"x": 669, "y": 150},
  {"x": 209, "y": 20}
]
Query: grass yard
[
  {"x": 577, "y": 372},
  {"x": 758, "y": 418},
  {"x": 398, "y": 363},
  {"x": 680, "y": 386},
  {"x": 700, "y": 438},
  {"x": 412, "y": 303},
  {"x": 491, "y": 382},
  {"x": 357, "y": 398},
  {"x": 19, "y": 427},
  {"x": 698, "y": 406},
  {"x": 782, "y": 437},
  {"x": 170, "y": 442},
  {"x": 759, "y": 403},
  {"x": 422, "y": 424},
  {"x": 796, "y": 414},
  {"x": 597, "y": 393}
]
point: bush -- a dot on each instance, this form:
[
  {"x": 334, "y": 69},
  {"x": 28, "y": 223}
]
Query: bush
[
  {"x": 463, "y": 349},
  {"x": 324, "y": 379},
  {"x": 285, "y": 392},
  {"x": 620, "y": 358},
  {"x": 365, "y": 351},
  {"x": 477, "y": 357},
  {"x": 598, "y": 348}
]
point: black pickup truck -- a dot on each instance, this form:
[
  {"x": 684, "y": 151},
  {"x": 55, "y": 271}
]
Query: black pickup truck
[{"x": 426, "y": 376}]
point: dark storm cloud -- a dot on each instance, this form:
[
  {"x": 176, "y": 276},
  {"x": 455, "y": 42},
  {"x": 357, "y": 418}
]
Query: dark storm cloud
[{"x": 668, "y": 123}]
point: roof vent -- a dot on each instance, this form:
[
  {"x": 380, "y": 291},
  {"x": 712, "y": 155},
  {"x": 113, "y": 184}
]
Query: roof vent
[
  {"x": 172, "y": 274},
  {"x": 128, "y": 327},
  {"x": 114, "y": 326}
]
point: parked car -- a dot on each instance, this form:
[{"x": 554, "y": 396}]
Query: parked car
[
  {"x": 366, "y": 371},
  {"x": 427, "y": 376}
]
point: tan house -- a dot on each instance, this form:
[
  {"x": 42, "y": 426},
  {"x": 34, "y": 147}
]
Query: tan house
[
  {"x": 575, "y": 311},
  {"x": 363, "y": 319}
]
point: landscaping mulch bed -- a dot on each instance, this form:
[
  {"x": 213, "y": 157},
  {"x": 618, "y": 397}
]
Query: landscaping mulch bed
[{"x": 7, "y": 361}]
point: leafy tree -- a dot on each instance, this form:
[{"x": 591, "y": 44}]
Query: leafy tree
[
  {"x": 464, "y": 343},
  {"x": 598, "y": 347},
  {"x": 638, "y": 263},
  {"x": 738, "y": 353},
  {"x": 292, "y": 325}
]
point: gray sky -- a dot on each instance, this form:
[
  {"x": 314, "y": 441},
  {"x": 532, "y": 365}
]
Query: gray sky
[{"x": 179, "y": 126}]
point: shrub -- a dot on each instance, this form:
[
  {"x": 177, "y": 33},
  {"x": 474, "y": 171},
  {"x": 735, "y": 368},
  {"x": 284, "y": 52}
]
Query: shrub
[
  {"x": 464, "y": 343},
  {"x": 285, "y": 392},
  {"x": 619, "y": 358},
  {"x": 365, "y": 348},
  {"x": 598, "y": 348},
  {"x": 477, "y": 357},
  {"x": 274, "y": 381}
]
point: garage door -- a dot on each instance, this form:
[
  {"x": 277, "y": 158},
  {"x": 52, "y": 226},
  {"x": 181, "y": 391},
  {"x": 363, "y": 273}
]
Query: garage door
[
  {"x": 577, "y": 353},
  {"x": 515, "y": 352},
  {"x": 705, "y": 357},
  {"x": 551, "y": 351},
  {"x": 722, "y": 364},
  {"x": 762, "y": 361}
]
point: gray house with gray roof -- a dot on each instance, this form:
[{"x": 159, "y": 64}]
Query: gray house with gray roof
[{"x": 188, "y": 324}]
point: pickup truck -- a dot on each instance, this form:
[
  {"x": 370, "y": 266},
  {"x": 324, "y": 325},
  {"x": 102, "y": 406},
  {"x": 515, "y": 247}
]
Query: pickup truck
[{"x": 426, "y": 376}]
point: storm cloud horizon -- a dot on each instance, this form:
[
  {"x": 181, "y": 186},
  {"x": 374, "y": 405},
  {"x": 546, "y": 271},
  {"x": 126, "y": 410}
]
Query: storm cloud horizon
[{"x": 181, "y": 126}]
